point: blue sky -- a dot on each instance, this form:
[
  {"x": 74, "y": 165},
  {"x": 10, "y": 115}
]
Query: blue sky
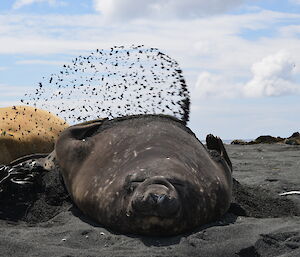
[{"x": 241, "y": 59}]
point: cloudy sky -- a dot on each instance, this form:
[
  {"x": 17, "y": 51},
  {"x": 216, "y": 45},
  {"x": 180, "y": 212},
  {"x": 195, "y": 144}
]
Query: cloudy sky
[{"x": 241, "y": 59}]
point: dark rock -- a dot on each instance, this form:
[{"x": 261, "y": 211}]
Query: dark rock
[
  {"x": 295, "y": 134},
  {"x": 239, "y": 142},
  {"x": 268, "y": 140}
]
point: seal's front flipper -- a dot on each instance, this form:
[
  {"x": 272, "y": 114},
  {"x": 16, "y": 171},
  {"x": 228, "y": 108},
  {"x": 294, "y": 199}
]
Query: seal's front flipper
[{"x": 215, "y": 143}]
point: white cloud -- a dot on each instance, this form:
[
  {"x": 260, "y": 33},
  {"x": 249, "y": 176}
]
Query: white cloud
[
  {"x": 43, "y": 62},
  {"x": 211, "y": 85},
  {"x": 38, "y": 45},
  {"x": 290, "y": 30},
  {"x": 214, "y": 57},
  {"x": 131, "y": 9},
  {"x": 13, "y": 91},
  {"x": 272, "y": 76},
  {"x": 21, "y": 3},
  {"x": 214, "y": 37}
]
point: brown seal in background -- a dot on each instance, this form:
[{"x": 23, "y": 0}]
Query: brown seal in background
[{"x": 26, "y": 130}]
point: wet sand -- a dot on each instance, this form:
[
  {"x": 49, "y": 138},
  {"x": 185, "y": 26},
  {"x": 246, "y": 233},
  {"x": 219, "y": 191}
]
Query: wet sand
[{"x": 259, "y": 222}]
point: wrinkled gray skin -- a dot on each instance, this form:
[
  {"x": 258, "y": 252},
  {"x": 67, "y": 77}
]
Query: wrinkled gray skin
[{"x": 144, "y": 174}]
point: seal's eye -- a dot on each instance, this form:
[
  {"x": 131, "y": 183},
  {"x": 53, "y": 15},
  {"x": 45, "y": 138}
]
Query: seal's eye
[
  {"x": 131, "y": 187},
  {"x": 177, "y": 184},
  {"x": 132, "y": 182}
]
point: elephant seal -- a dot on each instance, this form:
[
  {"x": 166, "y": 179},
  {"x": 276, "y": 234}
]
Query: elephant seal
[
  {"x": 26, "y": 130},
  {"x": 145, "y": 174}
]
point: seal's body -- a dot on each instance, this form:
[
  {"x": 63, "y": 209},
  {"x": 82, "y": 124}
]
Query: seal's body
[{"x": 144, "y": 174}]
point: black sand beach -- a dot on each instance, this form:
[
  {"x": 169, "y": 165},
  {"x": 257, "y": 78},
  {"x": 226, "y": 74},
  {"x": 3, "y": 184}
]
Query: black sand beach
[{"x": 260, "y": 223}]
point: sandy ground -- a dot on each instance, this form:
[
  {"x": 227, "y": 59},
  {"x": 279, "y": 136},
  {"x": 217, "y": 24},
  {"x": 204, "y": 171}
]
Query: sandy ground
[{"x": 259, "y": 222}]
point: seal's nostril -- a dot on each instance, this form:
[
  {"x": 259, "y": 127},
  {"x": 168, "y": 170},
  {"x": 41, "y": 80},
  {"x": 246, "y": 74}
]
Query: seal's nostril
[
  {"x": 153, "y": 197},
  {"x": 161, "y": 198},
  {"x": 157, "y": 198}
]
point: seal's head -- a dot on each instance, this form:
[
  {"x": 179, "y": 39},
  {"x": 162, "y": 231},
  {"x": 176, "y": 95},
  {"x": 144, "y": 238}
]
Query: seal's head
[{"x": 155, "y": 196}]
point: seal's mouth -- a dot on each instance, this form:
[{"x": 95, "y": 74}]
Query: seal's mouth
[{"x": 155, "y": 197}]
